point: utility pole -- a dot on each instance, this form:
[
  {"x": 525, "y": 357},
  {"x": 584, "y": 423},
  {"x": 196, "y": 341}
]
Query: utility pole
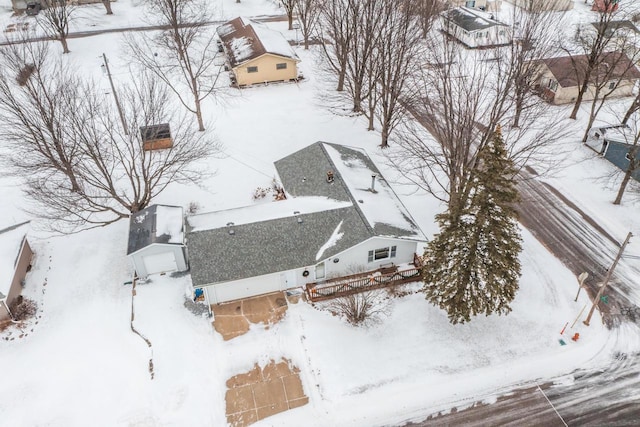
[
  {"x": 606, "y": 279},
  {"x": 115, "y": 95}
]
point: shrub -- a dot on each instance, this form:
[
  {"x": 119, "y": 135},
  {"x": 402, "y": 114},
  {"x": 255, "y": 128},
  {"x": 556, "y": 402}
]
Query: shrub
[
  {"x": 363, "y": 308},
  {"x": 23, "y": 308}
]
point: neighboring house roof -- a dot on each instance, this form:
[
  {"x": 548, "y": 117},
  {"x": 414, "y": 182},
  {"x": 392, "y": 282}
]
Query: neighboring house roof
[
  {"x": 245, "y": 40},
  {"x": 569, "y": 71},
  {"x": 613, "y": 26},
  {"x": 11, "y": 241},
  {"x": 470, "y": 20},
  {"x": 319, "y": 220},
  {"x": 155, "y": 224}
]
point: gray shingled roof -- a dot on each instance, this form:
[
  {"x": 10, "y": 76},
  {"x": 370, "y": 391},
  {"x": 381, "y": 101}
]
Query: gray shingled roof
[
  {"x": 470, "y": 20},
  {"x": 267, "y": 247},
  {"x": 142, "y": 229},
  {"x": 304, "y": 173},
  {"x": 282, "y": 244}
]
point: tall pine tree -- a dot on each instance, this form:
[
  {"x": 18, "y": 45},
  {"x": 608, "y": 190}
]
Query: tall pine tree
[{"x": 472, "y": 266}]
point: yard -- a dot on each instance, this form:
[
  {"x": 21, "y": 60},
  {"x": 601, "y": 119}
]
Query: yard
[{"x": 79, "y": 363}]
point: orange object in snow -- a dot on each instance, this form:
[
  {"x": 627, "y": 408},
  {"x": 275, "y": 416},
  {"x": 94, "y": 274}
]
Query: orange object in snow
[{"x": 576, "y": 336}]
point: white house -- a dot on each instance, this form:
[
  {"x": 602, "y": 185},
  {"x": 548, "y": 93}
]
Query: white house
[
  {"x": 156, "y": 240},
  {"x": 475, "y": 29},
  {"x": 341, "y": 217}
]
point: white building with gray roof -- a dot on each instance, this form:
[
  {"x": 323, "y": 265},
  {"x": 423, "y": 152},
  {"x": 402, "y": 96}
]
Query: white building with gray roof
[
  {"x": 340, "y": 217},
  {"x": 156, "y": 240},
  {"x": 475, "y": 29}
]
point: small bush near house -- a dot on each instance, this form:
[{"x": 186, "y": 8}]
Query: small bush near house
[
  {"x": 193, "y": 208},
  {"x": 23, "y": 308},
  {"x": 361, "y": 309},
  {"x": 275, "y": 189}
]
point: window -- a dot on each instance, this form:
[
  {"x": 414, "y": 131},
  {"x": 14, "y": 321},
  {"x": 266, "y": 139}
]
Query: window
[
  {"x": 382, "y": 253},
  {"x": 252, "y": 69},
  {"x": 470, "y": 3},
  {"x": 612, "y": 85},
  {"x": 553, "y": 85},
  {"x": 281, "y": 66}
]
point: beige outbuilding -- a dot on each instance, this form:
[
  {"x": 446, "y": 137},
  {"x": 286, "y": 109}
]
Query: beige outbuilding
[{"x": 257, "y": 54}]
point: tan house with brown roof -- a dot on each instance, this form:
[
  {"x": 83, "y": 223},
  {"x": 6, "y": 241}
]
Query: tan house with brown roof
[
  {"x": 559, "y": 78},
  {"x": 257, "y": 54}
]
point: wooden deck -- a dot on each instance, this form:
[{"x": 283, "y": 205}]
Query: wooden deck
[{"x": 348, "y": 285}]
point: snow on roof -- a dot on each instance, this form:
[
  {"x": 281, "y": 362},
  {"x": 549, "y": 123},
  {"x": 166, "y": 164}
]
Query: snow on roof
[
  {"x": 263, "y": 212},
  {"x": 245, "y": 40},
  {"x": 241, "y": 48},
  {"x": 169, "y": 223},
  {"x": 471, "y": 20},
  {"x": 155, "y": 224},
  {"x": 273, "y": 41},
  {"x": 380, "y": 206},
  {"x": 333, "y": 239},
  {"x": 10, "y": 243}
]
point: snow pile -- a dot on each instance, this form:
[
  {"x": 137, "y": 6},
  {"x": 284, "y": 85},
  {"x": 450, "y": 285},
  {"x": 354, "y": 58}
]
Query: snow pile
[
  {"x": 241, "y": 48},
  {"x": 263, "y": 212},
  {"x": 169, "y": 223}
]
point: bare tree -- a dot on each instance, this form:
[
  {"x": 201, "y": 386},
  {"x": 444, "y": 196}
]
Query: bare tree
[
  {"x": 308, "y": 12},
  {"x": 336, "y": 34},
  {"x": 632, "y": 155},
  {"x": 183, "y": 55},
  {"x": 54, "y": 21},
  {"x": 634, "y": 107},
  {"x": 614, "y": 71},
  {"x": 535, "y": 29},
  {"x": 397, "y": 52},
  {"x": 427, "y": 11},
  {"x": 593, "y": 45},
  {"x": 65, "y": 143},
  {"x": 289, "y": 8},
  {"x": 465, "y": 95},
  {"x": 107, "y": 6}
]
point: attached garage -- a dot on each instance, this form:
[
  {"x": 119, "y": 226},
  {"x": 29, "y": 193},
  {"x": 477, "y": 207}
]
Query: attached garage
[
  {"x": 245, "y": 288},
  {"x": 156, "y": 240}
]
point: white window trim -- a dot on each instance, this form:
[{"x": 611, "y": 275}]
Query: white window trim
[{"x": 391, "y": 253}]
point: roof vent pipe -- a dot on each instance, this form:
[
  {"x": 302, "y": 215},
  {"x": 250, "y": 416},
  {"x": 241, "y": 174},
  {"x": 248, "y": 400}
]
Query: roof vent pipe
[
  {"x": 231, "y": 230},
  {"x": 373, "y": 183}
]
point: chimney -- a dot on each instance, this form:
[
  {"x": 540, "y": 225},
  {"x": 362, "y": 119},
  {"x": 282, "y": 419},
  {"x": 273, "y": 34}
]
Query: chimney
[
  {"x": 373, "y": 183},
  {"x": 329, "y": 177}
]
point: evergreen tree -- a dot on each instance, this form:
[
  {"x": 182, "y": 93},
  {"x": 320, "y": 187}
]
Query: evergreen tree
[{"x": 472, "y": 265}]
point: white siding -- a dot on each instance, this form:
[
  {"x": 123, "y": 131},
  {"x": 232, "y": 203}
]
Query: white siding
[
  {"x": 244, "y": 288},
  {"x": 355, "y": 259},
  {"x": 156, "y": 250},
  {"x": 351, "y": 261}
]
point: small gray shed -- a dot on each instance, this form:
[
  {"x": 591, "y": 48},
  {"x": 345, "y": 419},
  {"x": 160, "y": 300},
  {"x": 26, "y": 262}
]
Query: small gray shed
[{"x": 156, "y": 240}]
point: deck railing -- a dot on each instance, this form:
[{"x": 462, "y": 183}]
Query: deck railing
[{"x": 356, "y": 283}]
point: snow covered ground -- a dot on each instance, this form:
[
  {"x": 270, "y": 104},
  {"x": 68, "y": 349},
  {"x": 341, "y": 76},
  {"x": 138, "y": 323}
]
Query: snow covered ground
[{"x": 81, "y": 364}]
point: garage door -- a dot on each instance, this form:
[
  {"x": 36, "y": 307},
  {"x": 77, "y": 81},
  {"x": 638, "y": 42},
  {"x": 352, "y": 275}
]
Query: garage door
[
  {"x": 159, "y": 263},
  {"x": 246, "y": 288}
]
